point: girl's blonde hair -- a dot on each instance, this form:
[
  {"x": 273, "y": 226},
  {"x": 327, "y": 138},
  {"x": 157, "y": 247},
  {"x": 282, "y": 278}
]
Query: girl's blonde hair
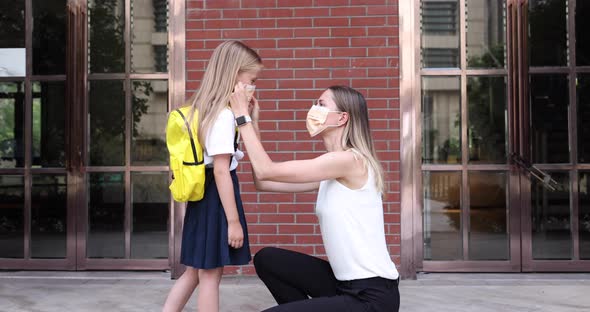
[
  {"x": 227, "y": 61},
  {"x": 357, "y": 134}
]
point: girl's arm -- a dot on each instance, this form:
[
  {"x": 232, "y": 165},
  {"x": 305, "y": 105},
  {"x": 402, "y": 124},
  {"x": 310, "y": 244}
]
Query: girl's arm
[{"x": 225, "y": 187}]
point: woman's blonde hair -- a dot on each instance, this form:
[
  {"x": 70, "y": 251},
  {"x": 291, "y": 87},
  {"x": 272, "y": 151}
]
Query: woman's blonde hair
[
  {"x": 357, "y": 134},
  {"x": 227, "y": 61}
]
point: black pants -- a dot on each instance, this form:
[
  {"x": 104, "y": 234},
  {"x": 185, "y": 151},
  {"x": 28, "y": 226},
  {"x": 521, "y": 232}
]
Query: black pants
[{"x": 293, "y": 278}]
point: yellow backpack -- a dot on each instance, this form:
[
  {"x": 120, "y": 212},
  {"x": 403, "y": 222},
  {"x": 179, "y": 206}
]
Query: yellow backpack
[{"x": 186, "y": 156}]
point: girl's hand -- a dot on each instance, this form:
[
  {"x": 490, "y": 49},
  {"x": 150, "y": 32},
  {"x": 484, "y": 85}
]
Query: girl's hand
[
  {"x": 239, "y": 100},
  {"x": 235, "y": 234}
]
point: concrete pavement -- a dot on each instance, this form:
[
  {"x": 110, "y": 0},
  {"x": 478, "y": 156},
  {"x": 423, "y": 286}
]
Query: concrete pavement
[{"x": 146, "y": 291}]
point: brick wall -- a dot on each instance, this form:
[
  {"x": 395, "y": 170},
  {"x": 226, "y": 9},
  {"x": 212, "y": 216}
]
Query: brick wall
[{"x": 306, "y": 46}]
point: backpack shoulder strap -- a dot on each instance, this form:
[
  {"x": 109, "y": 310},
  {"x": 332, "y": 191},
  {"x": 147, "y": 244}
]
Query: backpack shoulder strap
[{"x": 194, "y": 148}]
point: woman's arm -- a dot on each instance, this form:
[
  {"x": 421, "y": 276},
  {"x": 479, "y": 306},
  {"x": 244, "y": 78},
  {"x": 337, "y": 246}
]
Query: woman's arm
[
  {"x": 281, "y": 187},
  {"x": 271, "y": 186},
  {"x": 225, "y": 187},
  {"x": 331, "y": 165}
]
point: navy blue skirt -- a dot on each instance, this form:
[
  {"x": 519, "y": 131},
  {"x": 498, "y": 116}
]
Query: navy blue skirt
[{"x": 204, "y": 235}]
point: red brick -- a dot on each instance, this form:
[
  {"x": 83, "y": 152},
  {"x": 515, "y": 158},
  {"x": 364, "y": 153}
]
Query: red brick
[
  {"x": 222, "y": 23},
  {"x": 308, "y": 239},
  {"x": 303, "y": 95},
  {"x": 306, "y": 218},
  {"x": 368, "y": 21},
  {"x": 272, "y": 52},
  {"x": 336, "y": 81},
  {"x": 259, "y": 4},
  {"x": 262, "y": 228},
  {"x": 291, "y": 3},
  {"x": 295, "y": 83},
  {"x": 295, "y": 229},
  {"x": 295, "y": 208},
  {"x": 331, "y": 42},
  {"x": 240, "y": 14},
  {"x": 202, "y": 34},
  {"x": 294, "y": 22},
  {"x": 383, "y": 31},
  {"x": 212, "y": 44},
  {"x": 311, "y": 12},
  {"x": 349, "y": 11},
  {"x": 332, "y": 2},
  {"x": 261, "y": 43},
  {"x": 277, "y": 218},
  {"x": 382, "y": 9},
  {"x": 330, "y": 22},
  {"x": 295, "y": 63},
  {"x": 369, "y": 2},
  {"x": 347, "y": 52},
  {"x": 276, "y": 33},
  {"x": 262, "y": 208},
  {"x": 312, "y": 32},
  {"x": 369, "y": 62},
  {"x": 239, "y": 33},
  {"x": 192, "y": 45},
  {"x": 368, "y": 42},
  {"x": 383, "y": 72},
  {"x": 349, "y": 31},
  {"x": 193, "y": 4},
  {"x": 294, "y": 43},
  {"x": 349, "y": 72},
  {"x": 312, "y": 53},
  {"x": 270, "y": 13},
  {"x": 332, "y": 62},
  {"x": 276, "y": 239},
  {"x": 258, "y": 23},
  {"x": 312, "y": 73}
]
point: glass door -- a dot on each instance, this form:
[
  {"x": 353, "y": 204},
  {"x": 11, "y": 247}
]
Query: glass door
[
  {"x": 470, "y": 220},
  {"x": 505, "y": 114},
  {"x": 84, "y": 96},
  {"x": 556, "y": 59},
  {"x": 36, "y": 189},
  {"x": 125, "y": 204}
]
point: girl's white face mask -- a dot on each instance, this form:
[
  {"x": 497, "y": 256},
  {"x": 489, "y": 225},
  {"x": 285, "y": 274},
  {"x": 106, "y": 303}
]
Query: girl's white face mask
[
  {"x": 250, "y": 91},
  {"x": 316, "y": 119}
]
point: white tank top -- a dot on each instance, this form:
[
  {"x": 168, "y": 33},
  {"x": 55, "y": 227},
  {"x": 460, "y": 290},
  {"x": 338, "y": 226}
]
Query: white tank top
[{"x": 352, "y": 228}]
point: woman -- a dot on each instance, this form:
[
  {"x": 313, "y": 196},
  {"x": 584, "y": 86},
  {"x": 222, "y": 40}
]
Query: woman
[{"x": 359, "y": 274}]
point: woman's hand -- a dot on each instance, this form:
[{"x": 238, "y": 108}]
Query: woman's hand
[
  {"x": 254, "y": 109},
  {"x": 235, "y": 234},
  {"x": 239, "y": 100}
]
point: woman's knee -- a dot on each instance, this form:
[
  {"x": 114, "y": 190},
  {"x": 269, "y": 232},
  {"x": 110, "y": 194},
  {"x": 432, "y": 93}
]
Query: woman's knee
[{"x": 263, "y": 258}]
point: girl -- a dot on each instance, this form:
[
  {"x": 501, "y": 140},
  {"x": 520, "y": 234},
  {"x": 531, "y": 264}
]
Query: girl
[
  {"x": 359, "y": 275},
  {"x": 214, "y": 232}
]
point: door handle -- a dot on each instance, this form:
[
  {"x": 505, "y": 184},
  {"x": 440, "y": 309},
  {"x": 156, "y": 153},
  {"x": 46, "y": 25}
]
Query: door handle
[{"x": 539, "y": 174}]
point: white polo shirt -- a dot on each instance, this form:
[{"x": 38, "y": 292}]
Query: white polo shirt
[{"x": 220, "y": 139}]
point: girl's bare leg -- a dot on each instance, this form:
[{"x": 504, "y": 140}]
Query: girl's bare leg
[
  {"x": 208, "y": 300},
  {"x": 182, "y": 290}
]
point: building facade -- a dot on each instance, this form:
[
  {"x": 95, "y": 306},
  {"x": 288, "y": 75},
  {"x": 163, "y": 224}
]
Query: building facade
[{"x": 477, "y": 107}]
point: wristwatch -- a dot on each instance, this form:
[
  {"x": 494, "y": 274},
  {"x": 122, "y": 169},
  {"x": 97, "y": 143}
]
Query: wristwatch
[{"x": 242, "y": 120}]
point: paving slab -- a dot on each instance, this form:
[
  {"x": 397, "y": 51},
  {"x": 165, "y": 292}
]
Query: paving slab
[{"x": 146, "y": 291}]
